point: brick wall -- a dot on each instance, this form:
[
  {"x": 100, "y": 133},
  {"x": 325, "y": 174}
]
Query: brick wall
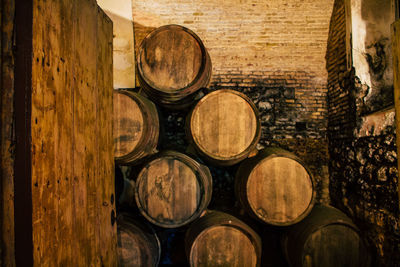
[
  {"x": 362, "y": 151},
  {"x": 273, "y": 51},
  {"x": 341, "y": 108}
]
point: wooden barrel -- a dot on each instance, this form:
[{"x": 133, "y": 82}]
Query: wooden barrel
[
  {"x": 219, "y": 239},
  {"x": 172, "y": 65},
  {"x": 138, "y": 245},
  {"x": 173, "y": 189},
  {"x": 275, "y": 187},
  {"x": 224, "y": 127},
  {"x": 328, "y": 238},
  {"x": 136, "y": 127}
]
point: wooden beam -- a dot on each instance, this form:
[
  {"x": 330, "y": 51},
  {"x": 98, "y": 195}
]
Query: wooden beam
[
  {"x": 7, "y": 137},
  {"x": 396, "y": 83}
]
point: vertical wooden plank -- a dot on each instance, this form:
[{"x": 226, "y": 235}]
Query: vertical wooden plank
[
  {"x": 85, "y": 132},
  {"x": 396, "y": 83},
  {"x": 106, "y": 197},
  {"x": 72, "y": 151},
  {"x": 52, "y": 132},
  {"x": 7, "y": 257}
]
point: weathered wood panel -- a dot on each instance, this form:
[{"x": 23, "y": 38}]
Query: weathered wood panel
[
  {"x": 7, "y": 140},
  {"x": 396, "y": 84},
  {"x": 72, "y": 146},
  {"x": 105, "y": 178}
]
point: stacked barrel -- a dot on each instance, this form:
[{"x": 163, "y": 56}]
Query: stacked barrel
[{"x": 172, "y": 189}]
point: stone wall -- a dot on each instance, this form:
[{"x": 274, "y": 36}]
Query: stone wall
[{"x": 362, "y": 150}]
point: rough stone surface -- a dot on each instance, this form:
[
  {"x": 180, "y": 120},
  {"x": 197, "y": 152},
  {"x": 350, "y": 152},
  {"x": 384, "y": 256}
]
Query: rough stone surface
[
  {"x": 362, "y": 151},
  {"x": 365, "y": 187}
]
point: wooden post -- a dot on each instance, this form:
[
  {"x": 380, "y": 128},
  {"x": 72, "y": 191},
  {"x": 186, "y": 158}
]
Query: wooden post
[
  {"x": 7, "y": 140},
  {"x": 396, "y": 83}
]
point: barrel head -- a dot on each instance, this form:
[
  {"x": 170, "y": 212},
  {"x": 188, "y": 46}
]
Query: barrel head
[{"x": 279, "y": 190}]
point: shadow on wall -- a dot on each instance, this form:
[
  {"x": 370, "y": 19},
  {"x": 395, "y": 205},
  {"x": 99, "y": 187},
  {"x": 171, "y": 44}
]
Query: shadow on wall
[{"x": 378, "y": 56}]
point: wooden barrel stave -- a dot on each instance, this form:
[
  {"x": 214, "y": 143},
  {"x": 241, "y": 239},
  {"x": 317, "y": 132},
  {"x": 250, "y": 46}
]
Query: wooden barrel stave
[
  {"x": 134, "y": 114},
  {"x": 224, "y": 127},
  {"x": 172, "y": 65},
  {"x": 138, "y": 245},
  {"x": 172, "y": 189},
  {"x": 275, "y": 187},
  {"x": 219, "y": 239},
  {"x": 326, "y": 237}
]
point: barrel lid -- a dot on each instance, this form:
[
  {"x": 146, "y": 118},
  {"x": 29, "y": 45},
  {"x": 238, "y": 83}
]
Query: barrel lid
[
  {"x": 279, "y": 190},
  {"x": 170, "y": 190},
  {"x": 138, "y": 245},
  {"x": 223, "y": 245},
  {"x": 171, "y": 58},
  {"x": 334, "y": 245},
  {"x": 224, "y": 125},
  {"x": 128, "y": 124}
]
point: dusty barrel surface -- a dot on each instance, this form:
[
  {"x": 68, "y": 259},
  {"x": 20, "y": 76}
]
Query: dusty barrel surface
[
  {"x": 328, "y": 238},
  {"x": 138, "y": 245},
  {"x": 219, "y": 239},
  {"x": 275, "y": 187},
  {"x": 136, "y": 127},
  {"x": 172, "y": 65},
  {"x": 173, "y": 189},
  {"x": 224, "y": 127}
]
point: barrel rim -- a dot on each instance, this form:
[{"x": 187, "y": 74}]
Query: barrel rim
[
  {"x": 148, "y": 110},
  {"x": 309, "y": 206},
  {"x": 242, "y": 230},
  {"x": 247, "y": 150},
  {"x": 242, "y": 175},
  {"x": 201, "y": 172},
  {"x": 319, "y": 209},
  {"x": 204, "y": 58},
  {"x": 127, "y": 220},
  {"x": 212, "y": 218}
]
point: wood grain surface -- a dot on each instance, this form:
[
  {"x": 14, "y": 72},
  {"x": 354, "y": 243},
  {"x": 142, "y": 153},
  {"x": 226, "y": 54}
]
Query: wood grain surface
[
  {"x": 279, "y": 189},
  {"x": 327, "y": 237},
  {"x": 136, "y": 127},
  {"x": 171, "y": 59},
  {"x": 173, "y": 65},
  {"x": 220, "y": 239},
  {"x": 275, "y": 187},
  {"x": 128, "y": 124},
  {"x": 331, "y": 246},
  {"x": 171, "y": 191},
  {"x": 7, "y": 134},
  {"x": 138, "y": 245},
  {"x": 72, "y": 143},
  {"x": 223, "y": 246},
  {"x": 224, "y": 126}
]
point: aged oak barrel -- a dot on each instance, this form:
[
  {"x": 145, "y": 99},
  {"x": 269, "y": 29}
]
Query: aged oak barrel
[
  {"x": 220, "y": 239},
  {"x": 325, "y": 238},
  {"x": 173, "y": 65},
  {"x": 224, "y": 127},
  {"x": 173, "y": 189},
  {"x": 136, "y": 127},
  {"x": 138, "y": 245},
  {"x": 275, "y": 187}
]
